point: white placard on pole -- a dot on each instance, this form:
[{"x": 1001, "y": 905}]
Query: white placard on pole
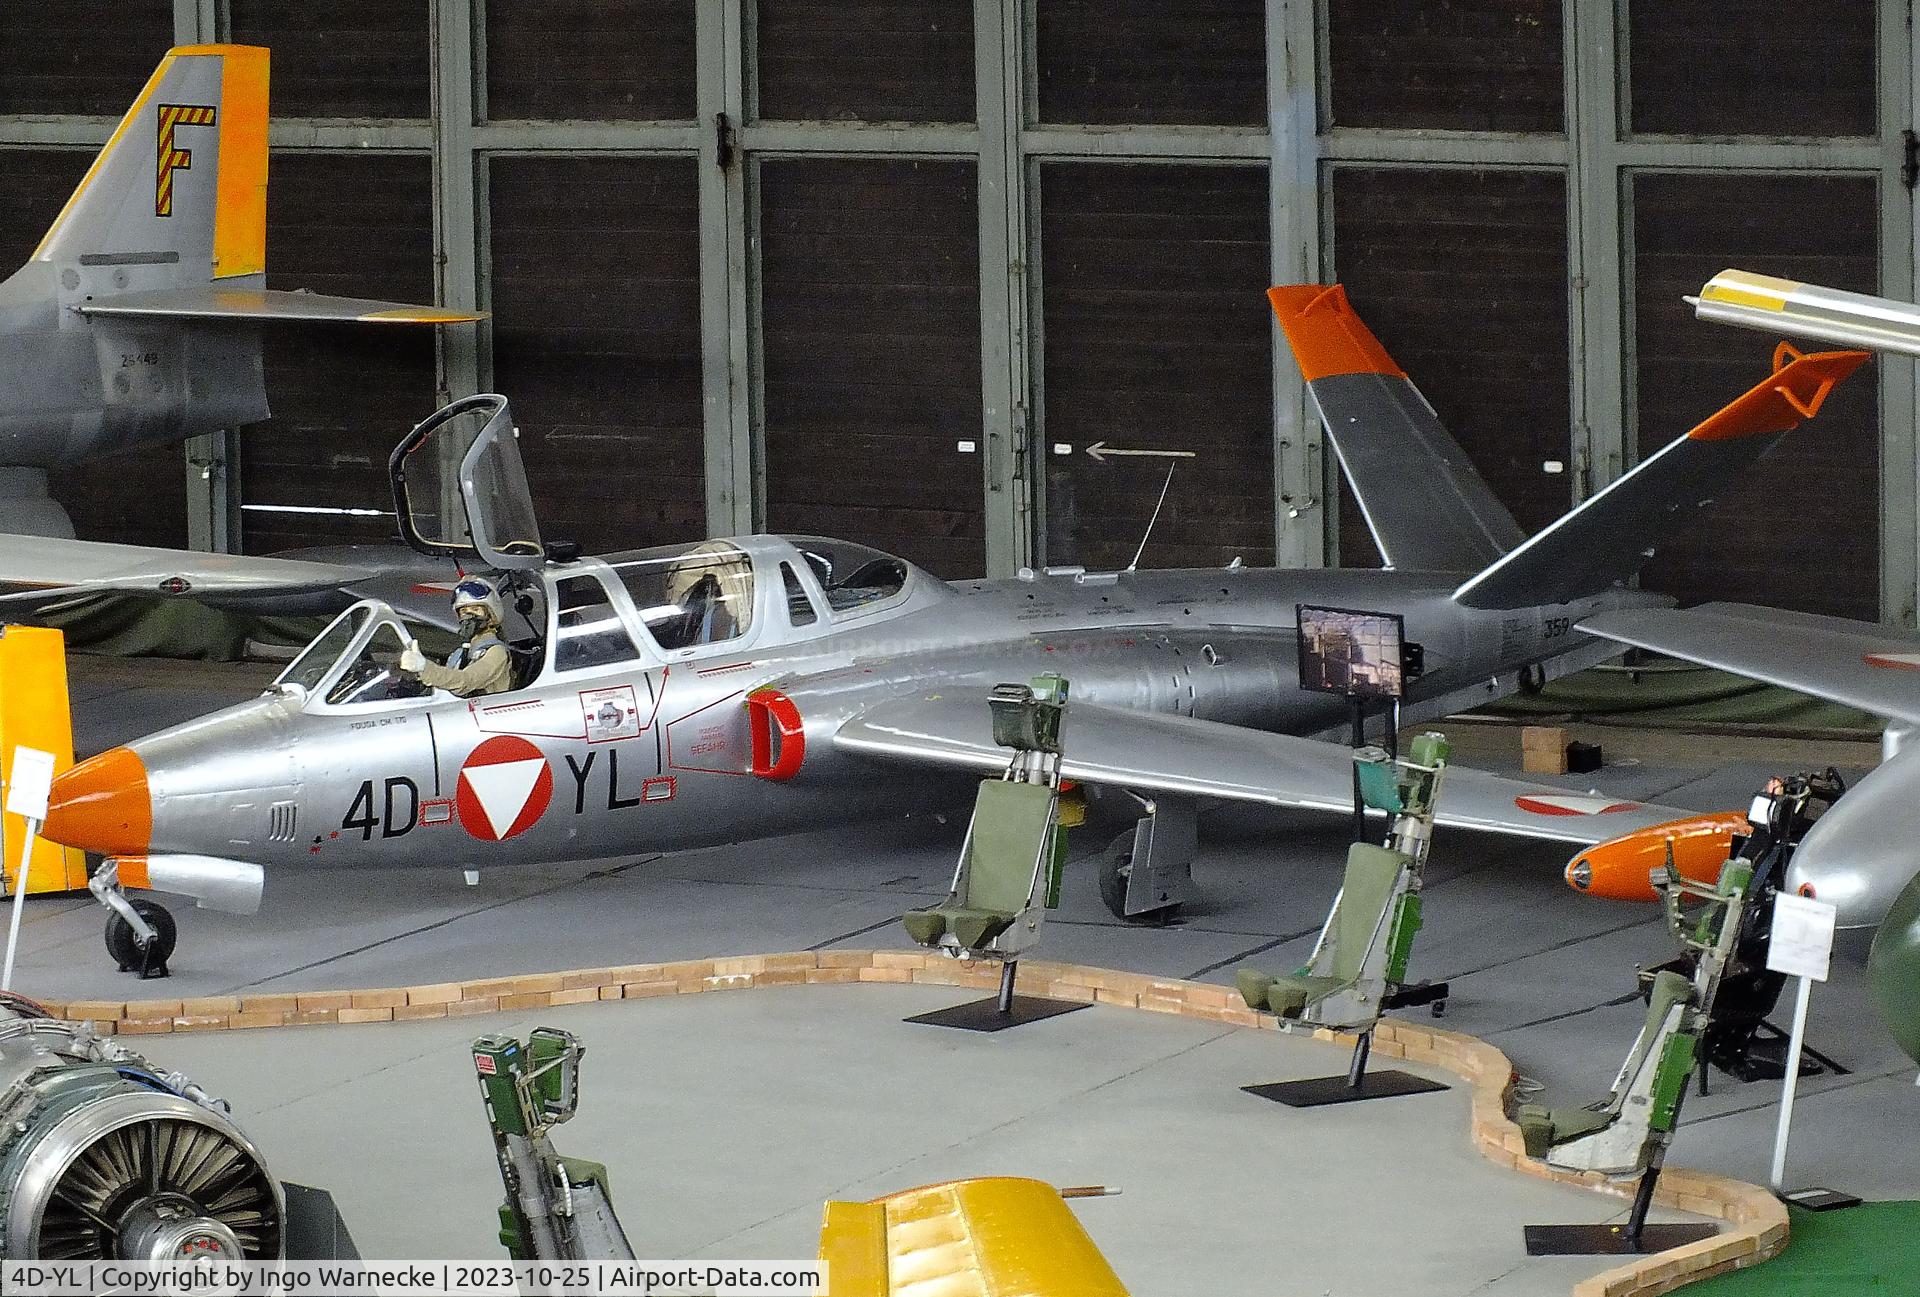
[
  {"x": 29, "y": 786},
  {"x": 1802, "y": 946},
  {"x": 1802, "y": 943},
  {"x": 30, "y": 783}
]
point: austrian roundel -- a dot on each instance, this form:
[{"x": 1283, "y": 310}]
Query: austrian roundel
[{"x": 505, "y": 787}]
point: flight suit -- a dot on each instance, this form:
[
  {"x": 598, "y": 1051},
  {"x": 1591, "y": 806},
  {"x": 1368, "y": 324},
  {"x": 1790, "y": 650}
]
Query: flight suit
[{"x": 480, "y": 666}]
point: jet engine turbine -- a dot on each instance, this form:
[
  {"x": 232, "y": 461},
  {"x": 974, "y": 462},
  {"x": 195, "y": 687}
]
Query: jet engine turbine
[{"x": 104, "y": 1157}]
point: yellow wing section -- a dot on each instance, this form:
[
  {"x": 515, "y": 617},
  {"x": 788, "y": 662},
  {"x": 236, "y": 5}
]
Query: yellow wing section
[{"x": 995, "y": 1237}]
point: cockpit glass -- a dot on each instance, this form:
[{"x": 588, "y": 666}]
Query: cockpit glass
[
  {"x": 506, "y": 504},
  {"x": 690, "y": 595},
  {"x": 854, "y": 577},
  {"x": 588, "y": 630},
  {"x": 799, "y": 606},
  {"x": 311, "y": 667},
  {"x": 375, "y": 675},
  {"x": 432, "y": 476}
]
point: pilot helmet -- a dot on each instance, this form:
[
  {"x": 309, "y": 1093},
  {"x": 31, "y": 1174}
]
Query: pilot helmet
[{"x": 477, "y": 593}]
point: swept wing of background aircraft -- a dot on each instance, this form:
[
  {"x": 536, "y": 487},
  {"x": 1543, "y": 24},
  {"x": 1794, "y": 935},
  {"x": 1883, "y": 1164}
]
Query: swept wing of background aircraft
[
  {"x": 736, "y": 689},
  {"x": 1860, "y": 854},
  {"x": 137, "y": 317}
]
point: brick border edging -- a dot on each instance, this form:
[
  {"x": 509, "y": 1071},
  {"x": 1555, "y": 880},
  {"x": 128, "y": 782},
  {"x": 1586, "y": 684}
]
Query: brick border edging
[{"x": 1757, "y": 1218}]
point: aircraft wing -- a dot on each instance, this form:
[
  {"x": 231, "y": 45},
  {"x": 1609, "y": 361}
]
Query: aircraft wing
[
  {"x": 1854, "y": 663},
  {"x": 211, "y": 302},
  {"x": 1150, "y": 752},
  {"x": 38, "y": 567}
]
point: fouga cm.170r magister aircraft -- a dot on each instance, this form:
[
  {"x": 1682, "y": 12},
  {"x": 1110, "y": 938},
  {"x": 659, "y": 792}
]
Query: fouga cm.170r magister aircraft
[{"x": 737, "y": 689}]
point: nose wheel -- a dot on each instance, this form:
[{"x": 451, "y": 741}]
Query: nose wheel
[
  {"x": 145, "y": 955},
  {"x": 140, "y": 932}
]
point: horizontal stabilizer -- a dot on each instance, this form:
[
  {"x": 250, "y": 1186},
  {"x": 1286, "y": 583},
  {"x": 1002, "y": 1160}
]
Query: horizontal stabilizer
[
  {"x": 1150, "y": 752},
  {"x": 1778, "y": 306},
  {"x": 212, "y": 302},
  {"x": 1853, "y": 663},
  {"x": 1424, "y": 502},
  {"x": 1611, "y": 535}
]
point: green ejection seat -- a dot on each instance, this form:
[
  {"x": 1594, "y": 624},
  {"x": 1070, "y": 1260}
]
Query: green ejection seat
[
  {"x": 1615, "y": 1136},
  {"x": 1358, "y": 968},
  {"x": 1008, "y": 876},
  {"x": 1013, "y": 837},
  {"x": 1366, "y": 897}
]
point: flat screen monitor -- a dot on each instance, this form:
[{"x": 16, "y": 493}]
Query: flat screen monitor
[{"x": 1346, "y": 651}]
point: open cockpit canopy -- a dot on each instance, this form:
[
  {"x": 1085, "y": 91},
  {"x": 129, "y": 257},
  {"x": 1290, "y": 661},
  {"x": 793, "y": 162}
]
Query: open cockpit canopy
[{"x": 460, "y": 489}]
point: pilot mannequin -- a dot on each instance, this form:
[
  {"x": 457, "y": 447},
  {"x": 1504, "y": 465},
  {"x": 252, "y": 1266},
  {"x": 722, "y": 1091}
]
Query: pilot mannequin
[{"x": 481, "y": 665}]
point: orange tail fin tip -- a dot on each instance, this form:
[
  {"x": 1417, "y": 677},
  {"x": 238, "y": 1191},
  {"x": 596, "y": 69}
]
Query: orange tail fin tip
[
  {"x": 1797, "y": 388},
  {"x": 1327, "y": 337}
]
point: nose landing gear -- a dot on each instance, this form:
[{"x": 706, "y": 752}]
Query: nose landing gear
[{"x": 140, "y": 932}]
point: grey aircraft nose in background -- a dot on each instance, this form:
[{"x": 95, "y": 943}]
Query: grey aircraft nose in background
[{"x": 735, "y": 689}]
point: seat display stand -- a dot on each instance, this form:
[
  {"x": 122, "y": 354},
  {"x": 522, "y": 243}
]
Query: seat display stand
[
  {"x": 1635, "y": 1238},
  {"x": 1356, "y": 1085},
  {"x": 998, "y": 1012},
  {"x": 1009, "y": 871},
  {"x": 1355, "y": 973}
]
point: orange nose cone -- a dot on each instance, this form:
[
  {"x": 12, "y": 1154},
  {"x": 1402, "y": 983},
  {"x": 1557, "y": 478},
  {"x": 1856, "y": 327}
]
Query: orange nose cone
[
  {"x": 101, "y": 805},
  {"x": 1622, "y": 869}
]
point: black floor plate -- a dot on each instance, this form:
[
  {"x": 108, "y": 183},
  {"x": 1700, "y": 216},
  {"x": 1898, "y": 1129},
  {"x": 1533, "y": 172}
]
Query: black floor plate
[
  {"x": 985, "y": 1015},
  {"x": 1319, "y": 1091},
  {"x": 1819, "y": 1199},
  {"x": 1611, "y": 1240}
]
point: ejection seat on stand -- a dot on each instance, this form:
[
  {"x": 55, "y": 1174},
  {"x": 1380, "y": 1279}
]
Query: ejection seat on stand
[
  {"x": 1358, "y": 967},
  {"x": 1627, "y": 1133},
  {"x": 1008, "y": 876}
]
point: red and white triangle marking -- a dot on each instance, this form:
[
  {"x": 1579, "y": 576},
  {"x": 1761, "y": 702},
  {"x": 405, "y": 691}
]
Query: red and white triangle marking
[
  {"x": 505, "y": 787},
  {"x": 1571, "y": 804},
  {"x": 1898, "y": 661}
]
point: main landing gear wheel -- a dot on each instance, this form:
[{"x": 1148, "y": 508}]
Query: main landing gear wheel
[
  {"x": 149, "y": 960},
  {"x": 1115, "y": 870}
]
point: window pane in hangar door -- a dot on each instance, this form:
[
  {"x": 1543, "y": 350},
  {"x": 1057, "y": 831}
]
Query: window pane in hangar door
[
  {"x": 870, "y": 354},
  {"x": 1800, "y": 529},
  {"x": 1462, "y": 275},
  {"x": 342, "y": 395},
  {"x": 138, "y": 497},
  {"x": 596, "y": 341},
  {"x": 1157, "y": 336},
  {"x": 1703, "y": 67},
  {"x": 79, "y": 56},
  {"x": 1471, "y": 65}
]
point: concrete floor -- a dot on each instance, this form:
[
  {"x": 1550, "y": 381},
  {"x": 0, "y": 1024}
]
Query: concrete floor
[
  {"x": 1543, "y": 973},
  {"x": 727, "y": 1119}
]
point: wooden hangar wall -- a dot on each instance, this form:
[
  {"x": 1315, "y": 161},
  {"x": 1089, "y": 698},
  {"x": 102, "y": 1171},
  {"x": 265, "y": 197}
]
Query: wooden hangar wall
[{"x": 889, "y": 269}]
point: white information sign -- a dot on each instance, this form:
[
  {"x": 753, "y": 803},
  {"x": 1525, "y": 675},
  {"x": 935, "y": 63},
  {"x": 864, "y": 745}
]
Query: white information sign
[
  {"x": 32, "y": 781},
  {"x": 1802, "y": 944}
]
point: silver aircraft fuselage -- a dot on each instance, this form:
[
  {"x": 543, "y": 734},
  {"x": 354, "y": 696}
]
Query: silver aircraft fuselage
[{"x": 735, "y": 741}]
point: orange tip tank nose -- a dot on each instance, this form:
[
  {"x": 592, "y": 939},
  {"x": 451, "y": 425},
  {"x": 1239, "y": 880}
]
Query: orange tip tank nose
[
  {"x": 101, "y": 805},
  {"x": 1622, "y": 869}
]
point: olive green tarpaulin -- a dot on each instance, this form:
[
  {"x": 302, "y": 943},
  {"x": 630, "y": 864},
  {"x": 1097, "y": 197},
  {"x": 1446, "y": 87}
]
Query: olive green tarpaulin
[
  {"x": 138, "y": 626},
  {"x": 1667, "y": 695}
]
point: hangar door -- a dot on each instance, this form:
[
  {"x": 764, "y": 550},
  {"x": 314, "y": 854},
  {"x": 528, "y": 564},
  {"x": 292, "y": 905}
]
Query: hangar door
[{"x": 1525, "y": 255}]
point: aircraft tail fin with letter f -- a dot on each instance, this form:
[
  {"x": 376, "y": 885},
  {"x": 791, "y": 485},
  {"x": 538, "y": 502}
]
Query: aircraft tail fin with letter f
[
  {"x": 137, "y": 318},
  {"x": 170, "y": 221}
]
